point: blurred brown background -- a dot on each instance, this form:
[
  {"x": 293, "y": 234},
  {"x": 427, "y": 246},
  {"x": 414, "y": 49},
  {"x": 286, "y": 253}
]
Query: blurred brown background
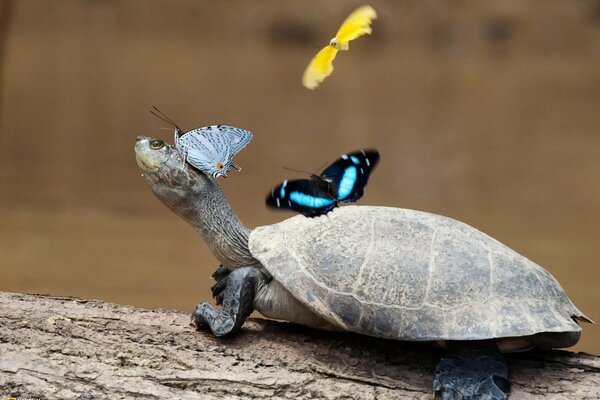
[{"x": 484, "y": 111}]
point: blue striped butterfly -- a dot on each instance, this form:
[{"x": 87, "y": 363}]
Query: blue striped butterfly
[
  {"x": 210, "y": 149},
  {"x": 343, "y": 181}
]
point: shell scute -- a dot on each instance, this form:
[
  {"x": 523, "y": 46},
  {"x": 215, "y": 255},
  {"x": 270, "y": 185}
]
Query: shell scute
[
  {"x": 513, "y": 280},
  {"x": 461, "y": 271}
]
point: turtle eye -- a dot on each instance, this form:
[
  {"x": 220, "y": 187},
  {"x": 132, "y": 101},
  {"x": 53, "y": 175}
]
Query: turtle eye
[
  {"x": 220, "y": 165},
  {"x": 157, "y": 144}
]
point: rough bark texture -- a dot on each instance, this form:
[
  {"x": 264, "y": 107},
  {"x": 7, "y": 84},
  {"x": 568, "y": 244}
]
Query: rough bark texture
[{"x": 58, "y": 347}]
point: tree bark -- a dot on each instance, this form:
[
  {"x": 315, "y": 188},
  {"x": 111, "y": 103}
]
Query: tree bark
[{"x": 69, "y": 348}]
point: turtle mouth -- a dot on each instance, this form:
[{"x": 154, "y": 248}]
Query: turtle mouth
[
  {"x": 144, "y": 156},
  {"x": 152, "y": 161},
  {"x": 144, "y": 166}
]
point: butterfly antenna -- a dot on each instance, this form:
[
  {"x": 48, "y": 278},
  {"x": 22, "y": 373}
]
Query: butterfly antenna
[
  {"x": 322, "y": 166},
  {"x": 298, "y": 170},
  {"x": 160, "y": 115}
]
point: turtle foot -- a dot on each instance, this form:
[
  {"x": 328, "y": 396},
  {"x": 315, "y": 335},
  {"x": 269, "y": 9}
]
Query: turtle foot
[
  {"x": 206, "y": 316},
  {"x": 472, "y": 371},
  {"x": 237, "y": 295}
]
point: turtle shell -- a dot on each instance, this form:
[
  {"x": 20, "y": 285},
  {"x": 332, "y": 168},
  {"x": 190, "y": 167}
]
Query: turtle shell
[{"x": 410, "y": 275}]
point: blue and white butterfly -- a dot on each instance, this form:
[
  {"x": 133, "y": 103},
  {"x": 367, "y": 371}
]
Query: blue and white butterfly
[
  {"x": 211, "y": 148},
  {"x": 343, "y": 181}
]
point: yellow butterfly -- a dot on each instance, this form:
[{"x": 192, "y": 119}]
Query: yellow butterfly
[{"x": 321, "y": 66}]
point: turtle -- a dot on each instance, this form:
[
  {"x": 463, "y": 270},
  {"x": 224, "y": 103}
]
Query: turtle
[{"x": 386, "y": 272}]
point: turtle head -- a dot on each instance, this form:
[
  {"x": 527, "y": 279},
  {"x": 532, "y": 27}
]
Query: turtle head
[
  {"x": 195, "y": 197},
  {"x": 151, "y": 154},
  {"x": 168, "y": 175}
]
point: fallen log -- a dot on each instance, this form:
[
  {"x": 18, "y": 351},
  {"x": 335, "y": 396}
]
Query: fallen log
[{"x": 69, "y": 348}]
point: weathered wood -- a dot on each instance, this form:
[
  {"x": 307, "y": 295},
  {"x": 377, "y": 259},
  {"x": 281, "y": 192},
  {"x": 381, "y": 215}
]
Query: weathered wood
[{"x": 60, "y": 347}]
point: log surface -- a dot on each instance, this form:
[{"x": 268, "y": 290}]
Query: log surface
[{"x": 69, "y": 348}]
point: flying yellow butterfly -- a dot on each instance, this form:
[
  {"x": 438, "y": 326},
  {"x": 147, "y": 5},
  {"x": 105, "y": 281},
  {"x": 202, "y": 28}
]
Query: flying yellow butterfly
[{"x": 321, "y": 66}]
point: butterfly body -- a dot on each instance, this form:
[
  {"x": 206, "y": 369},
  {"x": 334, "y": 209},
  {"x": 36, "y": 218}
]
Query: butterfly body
[
  {"x": 324, "y": 184},
  {"x": 343, "y": 181},
  {"x": 211, "y": 148},
  {"x": 336, "y": 45},
  {"x": 357, "y": 24}
]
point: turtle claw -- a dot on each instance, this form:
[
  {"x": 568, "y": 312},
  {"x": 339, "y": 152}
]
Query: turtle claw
[
  {"x": 476, "y": 371},
  {"x": 220, "y": 273},
  {"x": 218, "y": 290}
]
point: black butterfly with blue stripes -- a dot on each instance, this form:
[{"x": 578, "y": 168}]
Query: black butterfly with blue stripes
[{"x": 343, "y": 181}]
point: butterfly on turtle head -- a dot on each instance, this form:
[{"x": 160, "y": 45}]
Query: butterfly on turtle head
[{"x": 209, "y": 149}]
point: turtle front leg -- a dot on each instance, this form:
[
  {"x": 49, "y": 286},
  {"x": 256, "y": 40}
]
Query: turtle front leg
[
  {"x": 238, "y": 302},
  {"x": 471, "y": 371}
]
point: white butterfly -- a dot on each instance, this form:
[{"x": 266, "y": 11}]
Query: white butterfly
[{"x": 210, "y": 149}]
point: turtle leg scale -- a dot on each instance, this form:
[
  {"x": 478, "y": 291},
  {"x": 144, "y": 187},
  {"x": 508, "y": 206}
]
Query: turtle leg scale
[
  {"x": 238, "y": 303},
  {"x": 472, "y": 371}
]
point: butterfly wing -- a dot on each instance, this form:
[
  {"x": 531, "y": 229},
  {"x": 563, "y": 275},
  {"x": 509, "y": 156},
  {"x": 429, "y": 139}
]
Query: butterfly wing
[
  {"x": 237, "y": 138},
  {"x": 358, "y": 23},
  {"x": 319, "y": 68},
  {"x": 200, "y": 151},
  {"x": 302, "y": 196},
  {"x": 204, "y": 161},
  {"x": 349, "y": 174},
  {"x": 212, "y": 148}
]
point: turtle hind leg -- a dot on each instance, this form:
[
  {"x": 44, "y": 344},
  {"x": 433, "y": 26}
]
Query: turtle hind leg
[
  {"x": 472, "y": 370},
  {"x": 238, "y": 303}
]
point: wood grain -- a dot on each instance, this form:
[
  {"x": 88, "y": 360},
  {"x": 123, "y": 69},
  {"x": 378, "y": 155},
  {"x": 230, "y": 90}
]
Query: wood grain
[{"x": 70, "y": 348}]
